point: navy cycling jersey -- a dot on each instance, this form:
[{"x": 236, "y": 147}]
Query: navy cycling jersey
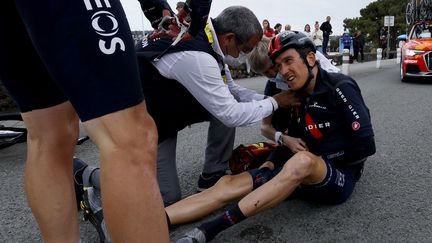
[{"x": 334, "y": 121}]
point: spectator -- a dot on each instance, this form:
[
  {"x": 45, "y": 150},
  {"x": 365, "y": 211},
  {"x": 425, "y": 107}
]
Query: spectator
[
  {"x": 346, "y": 40},
  {"x": 268, "y": 31},
  {"x": 383, "y": 46},
  {"x": 317, "y": 37},
  {"x": 383, "y": 32},
  {"x": 358, "y": 45},
  {"x": 327, "y": 31},
  {"x": 307, "y": 30},
  {"x": 287, "y": 27},
  {"x": 277, "y": 28}
]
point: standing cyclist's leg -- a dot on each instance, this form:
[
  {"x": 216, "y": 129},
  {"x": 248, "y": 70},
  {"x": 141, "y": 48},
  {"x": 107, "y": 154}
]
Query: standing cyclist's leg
[
  {"x": 52, "y": 130},
  {"x": 52, "y": 134},
  {"x": 133, "y": 207}
]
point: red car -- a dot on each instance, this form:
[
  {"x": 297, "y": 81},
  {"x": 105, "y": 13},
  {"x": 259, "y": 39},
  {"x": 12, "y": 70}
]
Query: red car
[{"x": 416, "y": 53}]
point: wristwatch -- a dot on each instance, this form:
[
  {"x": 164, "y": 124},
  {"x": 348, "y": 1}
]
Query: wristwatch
[
  {"x": 279, "y": 138},
  {"x": 280, "y": 141}
]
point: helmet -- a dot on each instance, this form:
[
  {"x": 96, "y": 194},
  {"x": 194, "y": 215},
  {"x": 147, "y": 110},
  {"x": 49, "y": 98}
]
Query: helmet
[{"x": 288, "y": 39}]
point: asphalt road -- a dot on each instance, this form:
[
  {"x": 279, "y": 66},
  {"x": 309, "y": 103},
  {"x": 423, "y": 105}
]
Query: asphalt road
[{"x": 391, "y": 203}]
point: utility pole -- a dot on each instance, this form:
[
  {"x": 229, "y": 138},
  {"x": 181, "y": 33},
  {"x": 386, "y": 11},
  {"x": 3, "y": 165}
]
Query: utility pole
[{"x": 388, "y": 21}]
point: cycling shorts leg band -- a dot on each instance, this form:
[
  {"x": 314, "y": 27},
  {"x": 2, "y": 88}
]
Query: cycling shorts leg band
[{"x": 260, "y": 176}]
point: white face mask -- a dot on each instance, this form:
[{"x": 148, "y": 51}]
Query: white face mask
[
  {"x": 280, "y": 84},
  {"x": 236, "y": 61}
]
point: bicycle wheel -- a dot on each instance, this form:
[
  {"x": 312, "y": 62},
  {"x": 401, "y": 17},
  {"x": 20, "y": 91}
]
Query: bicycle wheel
[
  {"x": 410, "y": 13},
  {"x": 425, "y": 12}
]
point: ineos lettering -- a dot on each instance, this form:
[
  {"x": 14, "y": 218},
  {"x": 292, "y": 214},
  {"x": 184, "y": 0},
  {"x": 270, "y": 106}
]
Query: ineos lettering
[{"x": 114, "y": 42}]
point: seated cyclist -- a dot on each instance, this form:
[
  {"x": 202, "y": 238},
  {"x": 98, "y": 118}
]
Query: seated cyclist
[{"x": 335, "y": 124}]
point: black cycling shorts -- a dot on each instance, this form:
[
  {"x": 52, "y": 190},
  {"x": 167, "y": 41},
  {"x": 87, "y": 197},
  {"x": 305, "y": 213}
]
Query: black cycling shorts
[
  {"x": 52, "y": 51},
  {"x": 336, "y": 187}
]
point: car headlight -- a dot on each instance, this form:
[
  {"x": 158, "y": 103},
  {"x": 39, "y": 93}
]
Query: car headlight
[{"x": 410, "y": 52}]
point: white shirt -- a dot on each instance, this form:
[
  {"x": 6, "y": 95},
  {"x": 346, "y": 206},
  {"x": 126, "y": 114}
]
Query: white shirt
[
  {"x": 317, "y": 37},
  {"x": 200, "y": 74}
]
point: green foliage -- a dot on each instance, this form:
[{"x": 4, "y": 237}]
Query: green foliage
[{"x": 372, "y": 20}]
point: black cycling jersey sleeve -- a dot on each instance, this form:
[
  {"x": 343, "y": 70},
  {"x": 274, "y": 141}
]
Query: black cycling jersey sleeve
[
  {"x": 159, "y": 3},
  {"x": 356, "y": 114},
  {"x": 355, "y": 111},
  {"x": 152, "y": 9},
  {"x": 200, "y": 11},
  {"x": 364, "y": 148}
]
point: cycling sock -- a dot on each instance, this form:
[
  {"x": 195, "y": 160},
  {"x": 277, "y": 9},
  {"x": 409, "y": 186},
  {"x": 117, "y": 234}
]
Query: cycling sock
[{"x": 222, "y": 222}]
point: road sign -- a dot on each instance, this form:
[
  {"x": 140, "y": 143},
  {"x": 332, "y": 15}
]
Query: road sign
[{"x": 389, "y": 20}]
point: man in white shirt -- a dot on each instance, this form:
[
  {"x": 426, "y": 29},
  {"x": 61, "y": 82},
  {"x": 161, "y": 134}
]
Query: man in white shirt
[{"x": 193, "y": 83}]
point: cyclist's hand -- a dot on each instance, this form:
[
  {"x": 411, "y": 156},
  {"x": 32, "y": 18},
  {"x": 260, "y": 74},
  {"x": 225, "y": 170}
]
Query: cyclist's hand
[
  {"x": 181, "y": 15},
  {"x": 167, "y": 22},
  {"x": 294, "y": 144}
]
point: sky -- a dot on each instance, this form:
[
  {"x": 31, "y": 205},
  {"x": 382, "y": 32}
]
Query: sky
[{"x": 297, "y": 13}]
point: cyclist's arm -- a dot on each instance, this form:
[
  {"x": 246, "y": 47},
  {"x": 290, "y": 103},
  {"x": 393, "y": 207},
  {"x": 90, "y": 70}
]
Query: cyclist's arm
[
  {"x": 154, "y": 10},
  {"x": 199, "y": 14},
  {"x": 356, "y": 114}
]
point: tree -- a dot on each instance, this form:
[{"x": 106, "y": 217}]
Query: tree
[{"x": 372, "y": 20}]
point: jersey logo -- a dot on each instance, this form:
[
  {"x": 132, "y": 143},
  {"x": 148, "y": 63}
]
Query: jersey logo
[
  {"x": 315, "y": 105},
  {"x": 144, "y": 42},
  {"x": 340, "y": 179},
  {"x": 108, "y": 42},
  {"x": 355, "y": 126},
  {"x": 312, "y": 127}
]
